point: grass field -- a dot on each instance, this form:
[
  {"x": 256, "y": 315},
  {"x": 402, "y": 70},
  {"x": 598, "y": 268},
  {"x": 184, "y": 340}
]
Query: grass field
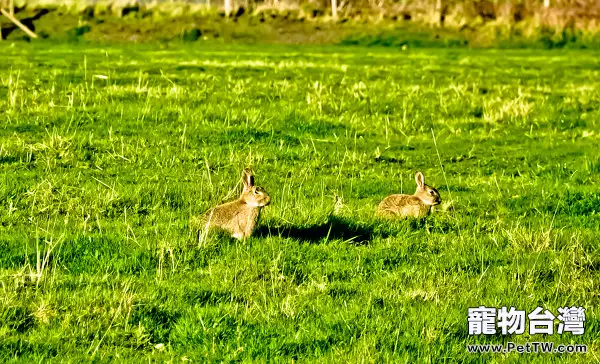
[{"x": 107, "y": 150}]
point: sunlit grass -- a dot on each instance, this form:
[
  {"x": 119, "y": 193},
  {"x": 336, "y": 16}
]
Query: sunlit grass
[{"x": 107, "y": 151}]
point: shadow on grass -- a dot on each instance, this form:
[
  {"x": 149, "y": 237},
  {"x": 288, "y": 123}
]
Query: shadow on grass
[{"x": 335, "y": 228}]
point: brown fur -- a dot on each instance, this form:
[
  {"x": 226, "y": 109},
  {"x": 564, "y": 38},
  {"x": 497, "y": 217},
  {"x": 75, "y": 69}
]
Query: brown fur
[
  {"x": 239, "y": 217},
  {"x": 417, "y": 205}
]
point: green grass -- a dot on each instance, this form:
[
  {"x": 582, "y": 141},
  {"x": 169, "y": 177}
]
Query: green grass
[{"x": 107, "y": 150}]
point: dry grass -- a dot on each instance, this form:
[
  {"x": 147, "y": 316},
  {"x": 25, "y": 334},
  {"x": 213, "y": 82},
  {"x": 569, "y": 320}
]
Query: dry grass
[{"x": 476, "y": 23}]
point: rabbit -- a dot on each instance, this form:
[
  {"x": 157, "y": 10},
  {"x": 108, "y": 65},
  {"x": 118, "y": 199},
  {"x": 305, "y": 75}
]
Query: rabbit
[
  {"x": 239, "y": 217},
  {"x": 417, "y": 205}
]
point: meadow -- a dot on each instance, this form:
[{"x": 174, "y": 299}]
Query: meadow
[{"x": 107, "y": 150}]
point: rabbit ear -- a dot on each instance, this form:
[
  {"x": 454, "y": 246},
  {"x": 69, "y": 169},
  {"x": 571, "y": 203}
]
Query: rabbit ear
[
  {"x": 248, "y": 178},
  {"x": 420, "y": 180}
]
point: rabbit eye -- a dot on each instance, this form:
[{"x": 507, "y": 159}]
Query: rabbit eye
[{"x": 431, "y": 193}]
